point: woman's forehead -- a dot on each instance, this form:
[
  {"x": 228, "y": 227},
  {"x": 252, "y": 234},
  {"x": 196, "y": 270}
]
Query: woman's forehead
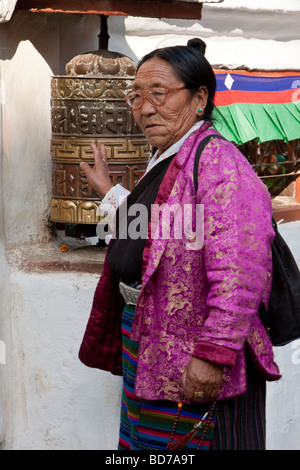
[{"x": 155, "y": 72}]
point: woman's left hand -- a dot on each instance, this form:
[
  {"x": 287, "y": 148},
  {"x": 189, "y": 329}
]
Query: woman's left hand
[
  {"x": 202, "y": 376},
  {"x": 98, "y": 175}
]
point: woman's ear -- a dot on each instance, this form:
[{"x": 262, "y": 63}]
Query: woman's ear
[{"x": 202, "y": 96}]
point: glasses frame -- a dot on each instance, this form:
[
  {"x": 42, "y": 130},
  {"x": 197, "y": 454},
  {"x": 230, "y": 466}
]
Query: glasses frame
[{"x": 145, "y": 96}]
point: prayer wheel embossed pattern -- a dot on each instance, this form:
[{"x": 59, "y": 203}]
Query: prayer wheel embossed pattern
[{"x": 88, "y": 105}]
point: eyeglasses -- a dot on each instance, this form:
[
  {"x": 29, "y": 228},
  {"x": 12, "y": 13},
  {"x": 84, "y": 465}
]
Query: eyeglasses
[{"x": 155, "y": 96}]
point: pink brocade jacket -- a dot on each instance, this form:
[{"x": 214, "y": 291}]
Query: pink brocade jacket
[{"x": 195, "y": 302}]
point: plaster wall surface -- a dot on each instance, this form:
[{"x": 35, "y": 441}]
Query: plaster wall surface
[
  {"x": 58, "y": 403},
  {"x": 48, "y": 399},
  {"x": 283, "y": 410},
  {"x": 263, "y": 40}
]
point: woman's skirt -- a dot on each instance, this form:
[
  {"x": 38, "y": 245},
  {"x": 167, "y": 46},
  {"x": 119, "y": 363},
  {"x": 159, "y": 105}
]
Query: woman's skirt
[{"x": 237, "y": 423}]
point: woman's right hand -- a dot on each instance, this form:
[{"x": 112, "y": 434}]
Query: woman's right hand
[
  {"x": 202, "y": 376},
  {"x": 98, "y": 175}
]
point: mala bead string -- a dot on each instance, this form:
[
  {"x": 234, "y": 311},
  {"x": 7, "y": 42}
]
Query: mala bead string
[
  {"x": 186, "y": 439},
  {"x": 210, "y": 413},
  {"x": 179, "y": 406}
]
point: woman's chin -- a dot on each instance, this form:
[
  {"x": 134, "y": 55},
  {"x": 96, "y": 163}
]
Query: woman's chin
[{"x": 156, "y": 141}]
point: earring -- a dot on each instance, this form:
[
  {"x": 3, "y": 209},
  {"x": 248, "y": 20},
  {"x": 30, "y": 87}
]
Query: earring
[{"x": 199, "y": 110}]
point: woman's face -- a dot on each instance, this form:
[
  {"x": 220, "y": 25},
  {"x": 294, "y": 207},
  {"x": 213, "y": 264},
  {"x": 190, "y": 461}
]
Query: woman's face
[{"x": 166, "y": 124}]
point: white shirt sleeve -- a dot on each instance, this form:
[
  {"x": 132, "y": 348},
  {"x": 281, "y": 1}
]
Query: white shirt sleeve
[
  {"x": 115, "y": 196},
  {"x": 109, "y": 204}
]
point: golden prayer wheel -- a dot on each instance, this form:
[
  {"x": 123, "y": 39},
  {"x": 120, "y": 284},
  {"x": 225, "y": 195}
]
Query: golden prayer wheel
[{"x": 88, "y": 105}]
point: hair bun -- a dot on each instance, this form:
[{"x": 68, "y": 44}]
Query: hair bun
[{"x": 198, "y": 44}]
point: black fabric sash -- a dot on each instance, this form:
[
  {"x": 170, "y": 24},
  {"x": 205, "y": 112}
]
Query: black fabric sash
[{"x": 125, "y": 254}]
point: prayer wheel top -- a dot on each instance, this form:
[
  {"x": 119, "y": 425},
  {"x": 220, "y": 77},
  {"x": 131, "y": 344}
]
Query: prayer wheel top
[{"x": 101, "y": 63}]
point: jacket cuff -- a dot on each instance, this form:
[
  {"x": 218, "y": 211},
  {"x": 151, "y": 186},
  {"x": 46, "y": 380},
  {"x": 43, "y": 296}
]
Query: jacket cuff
[{"x": 214, "y": 353}]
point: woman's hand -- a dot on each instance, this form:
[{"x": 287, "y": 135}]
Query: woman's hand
[
  {"x": 98, "y": 175},
  {"x": 202, "y": 376}
]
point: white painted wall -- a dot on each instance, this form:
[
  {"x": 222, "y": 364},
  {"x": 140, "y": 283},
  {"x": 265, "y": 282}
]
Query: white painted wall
[
  {"x": 283, "y": 408},
  {"x": 48, "y": 399},
  {"x": 257, "y": 39},
  {"x": 26, "y": 164},
  {"x": 57, "y": 402}
]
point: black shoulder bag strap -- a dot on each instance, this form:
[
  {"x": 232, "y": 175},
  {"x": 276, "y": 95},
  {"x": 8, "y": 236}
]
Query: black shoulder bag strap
[
  {"x": 282, "y": 319},
  {"x": 199, "y": 150}
]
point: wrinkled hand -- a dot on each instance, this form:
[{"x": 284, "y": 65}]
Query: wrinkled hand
[
  {"x": 202, "y": 376},
  {"x": 98, "y": 175}
]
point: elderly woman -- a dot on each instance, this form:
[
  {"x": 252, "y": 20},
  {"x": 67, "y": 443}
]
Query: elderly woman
[{"x": 185, "y": 333}]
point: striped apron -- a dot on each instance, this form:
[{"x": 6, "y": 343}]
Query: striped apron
[{"x": 237, "y": 424}]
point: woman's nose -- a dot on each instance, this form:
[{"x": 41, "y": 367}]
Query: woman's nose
[{"x": 147, "y": 107}]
